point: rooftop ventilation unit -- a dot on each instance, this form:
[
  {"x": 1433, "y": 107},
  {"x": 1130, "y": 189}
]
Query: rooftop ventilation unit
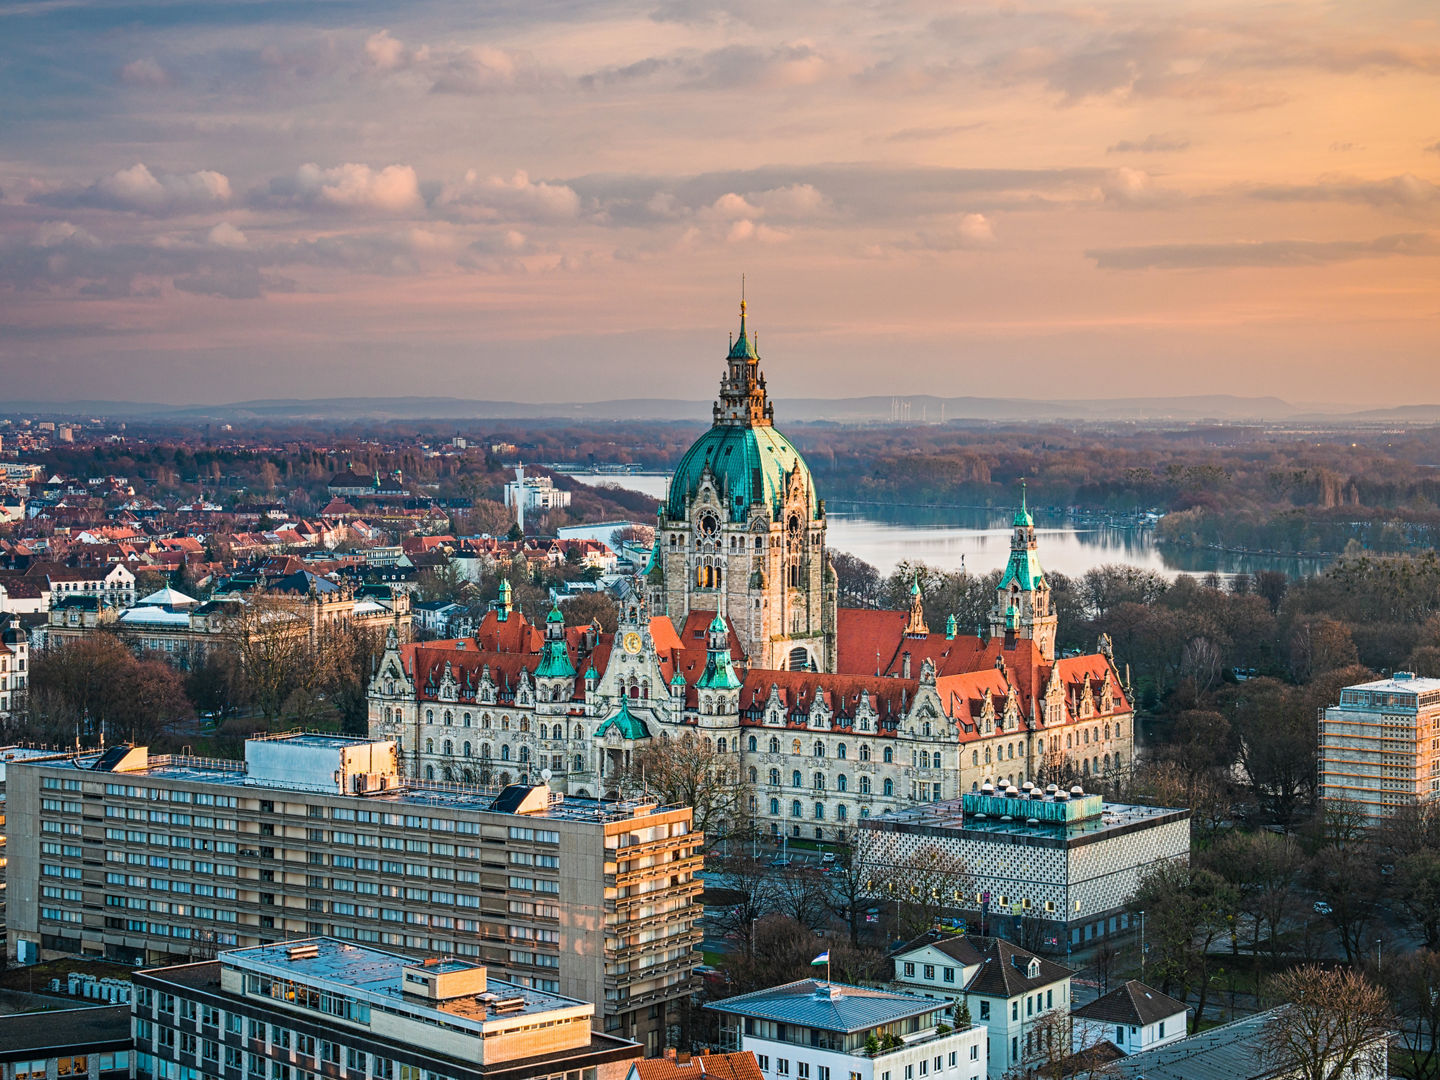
[{"x": 302, "y": 952}]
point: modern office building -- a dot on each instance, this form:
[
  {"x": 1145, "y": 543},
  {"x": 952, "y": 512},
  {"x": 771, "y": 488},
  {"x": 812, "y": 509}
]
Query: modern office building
[
  {"x": 158, "y": 859},
  {"x": 1380, "y": 746},
  {"x": 66, "y": 1044},
  {"x": 1046, "y": 867},
  {"x": 313, "y": 1007},
  {"x": 8, "y": 756},
  {"x": 824, "y": 1030}
]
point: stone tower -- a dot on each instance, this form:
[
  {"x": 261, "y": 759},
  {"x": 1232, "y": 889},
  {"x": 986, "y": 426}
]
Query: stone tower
[
  {"x": 742, "y": 530},
  {"x": 1022, "y": 599}
]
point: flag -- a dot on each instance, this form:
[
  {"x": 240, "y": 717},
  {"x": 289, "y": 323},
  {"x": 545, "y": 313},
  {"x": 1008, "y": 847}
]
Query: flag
[{"x": 823, "y": 958}]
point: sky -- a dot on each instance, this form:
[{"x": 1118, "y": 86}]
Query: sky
[{"x": 555, "y": 200}]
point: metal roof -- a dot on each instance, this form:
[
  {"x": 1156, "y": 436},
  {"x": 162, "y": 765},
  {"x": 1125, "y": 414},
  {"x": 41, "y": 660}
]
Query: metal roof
[
  {"x": 830, "y": 1006},
  {"x": 1231, "y": 1051}
]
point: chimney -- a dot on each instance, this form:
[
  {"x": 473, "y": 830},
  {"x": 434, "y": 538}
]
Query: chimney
[{"x": 905, "y": 664}]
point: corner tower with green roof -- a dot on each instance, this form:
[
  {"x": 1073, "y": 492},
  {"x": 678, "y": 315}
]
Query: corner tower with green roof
[
  {"x": 742, "y": 530},
  {"x": 1023, "y": 605}
]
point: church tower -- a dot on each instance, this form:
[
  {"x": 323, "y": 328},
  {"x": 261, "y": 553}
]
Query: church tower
[
  {"x": 1022, "y": 599},
  {"x": 742, "y": 530}
]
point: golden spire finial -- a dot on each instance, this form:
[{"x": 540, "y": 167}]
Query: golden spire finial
[{"x": 742, "y": 296}]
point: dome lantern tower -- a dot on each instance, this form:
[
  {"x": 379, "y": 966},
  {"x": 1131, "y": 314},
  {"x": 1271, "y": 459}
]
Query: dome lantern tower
[{"x": 742, "y": 530}]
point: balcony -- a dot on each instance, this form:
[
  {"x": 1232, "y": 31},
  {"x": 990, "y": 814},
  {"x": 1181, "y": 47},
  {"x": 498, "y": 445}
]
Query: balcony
[{"x": 693, "y": 887}]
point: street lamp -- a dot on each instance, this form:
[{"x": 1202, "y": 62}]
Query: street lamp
[{"x": 1142, "y": 946}]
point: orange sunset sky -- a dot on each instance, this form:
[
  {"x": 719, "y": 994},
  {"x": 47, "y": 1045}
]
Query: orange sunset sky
[{"x": 550, "y": 201}]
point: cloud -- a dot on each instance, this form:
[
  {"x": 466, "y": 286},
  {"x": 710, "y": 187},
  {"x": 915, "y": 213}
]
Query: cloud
[
  {"x": 385, "y": 53},
  {"x": 1269, "y": 253},
  {"x": 240, "y": 282},
  {"x": 517, "y": 199},
  {"x": 1433, "y": 148},
  {"x": 61, "y": 257},
  {"x": 1155, "y": 143},
  {"x": 226, "y": 235},
  {"x": 1127, "y": 187},
  {"x": 140, "y": 190},
  {"x": 144, "y": 72},
  {"x": 926, "y": 134},
  {"x": 969, "y": 232},
  {"x": 797, "y": 63},
  {"x": 350, "y": 187},
  {"x": 1405, "y": 191}
]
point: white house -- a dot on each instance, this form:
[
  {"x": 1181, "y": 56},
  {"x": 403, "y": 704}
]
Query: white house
[
  {"x": 814, "y": 1030},
  {"x": 1133, "y": 1016},
  {"x": 1020, "y": 999}
]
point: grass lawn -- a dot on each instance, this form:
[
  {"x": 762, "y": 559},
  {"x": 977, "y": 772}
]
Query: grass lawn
[{"x": 714, "y": 959}]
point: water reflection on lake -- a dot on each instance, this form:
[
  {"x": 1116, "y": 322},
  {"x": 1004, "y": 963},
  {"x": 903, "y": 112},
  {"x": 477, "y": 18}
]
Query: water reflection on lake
[{"x": 979, "y": 539}]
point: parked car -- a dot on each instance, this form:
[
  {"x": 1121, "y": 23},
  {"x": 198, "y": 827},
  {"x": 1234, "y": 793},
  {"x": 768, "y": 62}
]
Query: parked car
[
  {"x": 1322, "y": 908},
  {"x": 828, "y": 857},
  {"x": 780, "y": 863}
]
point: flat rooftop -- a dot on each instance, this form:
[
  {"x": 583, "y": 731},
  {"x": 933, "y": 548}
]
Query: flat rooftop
[
  {"x": 33, "y": 1035},
  {"x": 413, "y": 793},
  {"x": 829, "y": 1006},
  {"x": 316, "y": 740},
  {"x": 1114, "y": 818},
  {"x": 378, "y": 977},
  {"x": 1400, "y": 683}
]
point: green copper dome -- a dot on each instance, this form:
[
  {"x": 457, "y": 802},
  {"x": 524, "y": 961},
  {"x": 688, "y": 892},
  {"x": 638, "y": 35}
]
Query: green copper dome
[{"x": 750, "y": 464}]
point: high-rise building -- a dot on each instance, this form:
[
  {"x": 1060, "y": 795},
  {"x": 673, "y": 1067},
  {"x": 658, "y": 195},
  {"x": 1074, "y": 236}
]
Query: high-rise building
[
  {"x": 1380, "y": 746},
  {"x": 322, "y": 1007},
  {"x": 152, "y": 859}
]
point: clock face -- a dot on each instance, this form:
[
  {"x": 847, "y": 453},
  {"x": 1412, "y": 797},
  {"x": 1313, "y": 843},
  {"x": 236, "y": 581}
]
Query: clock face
[
  {"x": 709, "y": 524},
  {"x": 632, "y": 643}
]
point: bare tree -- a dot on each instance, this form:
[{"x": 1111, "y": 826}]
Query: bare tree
[
  {"x": 691, "y": 772},
  {"x": 1332, "y": 1021},
  {"x": 924, "y": 885},
  {"x": 1412, "y": 980}
]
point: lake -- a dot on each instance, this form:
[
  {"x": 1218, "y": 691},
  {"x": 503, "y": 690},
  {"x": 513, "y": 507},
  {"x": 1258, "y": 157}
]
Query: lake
[{"x": 978, "y": 539}]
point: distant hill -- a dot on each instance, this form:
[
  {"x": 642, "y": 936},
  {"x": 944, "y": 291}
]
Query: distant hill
[{"x": 917, "y": 408}]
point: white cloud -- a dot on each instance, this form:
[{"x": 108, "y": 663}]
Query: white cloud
[
  {"x": 226, "y": 235},
  {"x": 139, "y": 189},
  {"x": 517, "y": 199},
  {"x": 144, "y": 72},
  {"x": 1132, "y": 187},
  {"x": 797, "y": 200},
  {"x": 351, "y": 186}
]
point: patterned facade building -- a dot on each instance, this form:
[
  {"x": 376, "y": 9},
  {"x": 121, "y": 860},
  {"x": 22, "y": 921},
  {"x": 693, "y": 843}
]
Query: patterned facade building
[{"x": 830, "y": 714}]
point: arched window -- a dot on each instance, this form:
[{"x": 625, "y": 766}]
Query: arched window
[
  {"x": 925, "y": 728},
  {"x": 750, "y": 744},
  {"x": 467, "y": 749},
  {"x": 429, "y": 716},
  {"x": 924, "y": 759},
  {"x": 840, "y": 812},
  {"x": 795, "y": 810},
  {"x": 819, "y": 749},
  {"x": 754, "y": 774},
  {"x": 485, "y": 721},
  {"x": 429, "y": 746},
  {"x": 579, "y": 763},
  {"x": 889, "y": 787},
  {"x": 775, "y": 806},
  {"x": 505, "y": 752},
  {"x": 795, "y": 778},
  {"x": 485, "y": 751},
  {"x": 774, "y": 777},
  {"x": 888, "y": 755},
  {"x": 864, "y": 785},
  {"x": 842, "y": 782},
  {"x": 1085, "y": 766},
  {"x": 449, "y": 748},
  {"x": 1069, "y": 741},
  {"x": 974, "y": 757},
  {"x": 774, "y": 745},
  {"x": 794, "y": 746},
  {"x": 864, "y": 751},
  {"x": 1107, "y": 762},
  {"x": 819, "y": 811},
  {"x": 818, "y": 781},
  {"x": 449, "y": 718},
  {"x": 544, "y": 731},
  {"x": 840, "y": 751},
  {"x": 429, "y": 772},
  {"x": 722, "y": 746},
  {"x": 524, "y": 723},
  {"x": 524, "y": 753},
  {"x": 466, "y": 719}
]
